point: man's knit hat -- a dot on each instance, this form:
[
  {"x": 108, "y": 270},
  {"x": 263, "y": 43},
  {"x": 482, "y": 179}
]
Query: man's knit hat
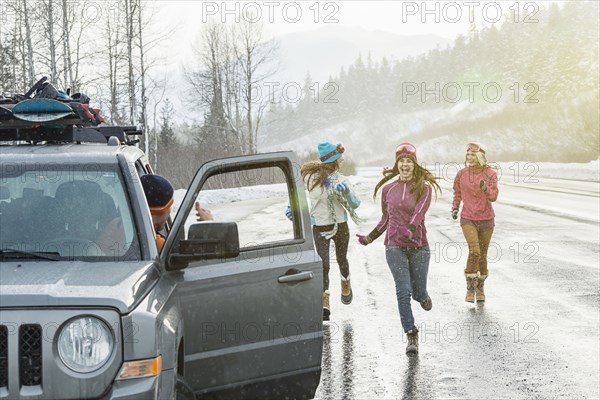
[
  {"x": 159, "y": 193},
  {"x": 329, "y": 152},
  {"x": 406, "y": 149}
]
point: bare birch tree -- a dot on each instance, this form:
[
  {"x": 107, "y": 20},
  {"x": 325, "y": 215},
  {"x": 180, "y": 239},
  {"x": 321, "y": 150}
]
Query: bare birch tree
[
  {"x": 47, "y": 16},
  {"x": 17, "y": 31},
  {"x": 25, "y": 21},
  {"x": 256, "y": 58},
  {"x": 232, "y": 69},
  {"x": 114, "y": 55},
  {"x": 143, "y": 72},
  {"x": 130, "y": 7},
  {"x": 8, "y": 53},
  {"x": 66, "y": 36},
  {"x": 73, "y": 41}
]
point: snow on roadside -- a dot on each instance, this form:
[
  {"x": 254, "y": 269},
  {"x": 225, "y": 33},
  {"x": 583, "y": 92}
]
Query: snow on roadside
[
  {"x": 367, "y": 177},
  {"x": 220, "y": 196},
  {"x": 578, "y": 171}
]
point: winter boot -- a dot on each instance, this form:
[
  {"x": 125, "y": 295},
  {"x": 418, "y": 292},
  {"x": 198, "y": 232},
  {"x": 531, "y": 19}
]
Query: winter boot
[
  {"x": 426, "y": 304},
  {"x": 346, "y": 290},
  {"x": 479, "y": 293},
  {"x": 472, "y": 283},
  {"x": 412, "y": 347},
  {"x": 326, "y": 309}
]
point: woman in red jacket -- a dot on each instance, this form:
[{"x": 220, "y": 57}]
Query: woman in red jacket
[{"x": 476, "y": 186}]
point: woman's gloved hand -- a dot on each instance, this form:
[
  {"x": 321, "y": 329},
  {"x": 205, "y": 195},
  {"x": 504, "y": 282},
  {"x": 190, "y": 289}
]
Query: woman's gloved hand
[{"x": 363, "y": 239}]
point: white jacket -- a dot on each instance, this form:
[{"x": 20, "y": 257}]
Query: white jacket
[{"x": 319, "y": 209}]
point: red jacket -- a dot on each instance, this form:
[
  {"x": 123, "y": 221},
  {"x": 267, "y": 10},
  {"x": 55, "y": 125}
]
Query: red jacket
[{"x": 477, "y": 204}]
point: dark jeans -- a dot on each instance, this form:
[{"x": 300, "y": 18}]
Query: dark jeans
[
  {"x": 340, "y": 239},
  {"x": 409, "y": 268}
]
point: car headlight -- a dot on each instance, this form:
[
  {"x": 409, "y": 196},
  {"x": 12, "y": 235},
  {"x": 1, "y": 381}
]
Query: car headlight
[{"x": 85, "y": 344}]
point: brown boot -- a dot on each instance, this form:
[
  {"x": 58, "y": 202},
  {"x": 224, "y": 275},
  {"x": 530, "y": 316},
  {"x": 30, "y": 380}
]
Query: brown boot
[
  {"x": 471, "y": 285},
  {"x": 346, "y": 290},
  {"x": 412, "y": 347},
  {"x": 326, "y": 309},
  {"x": 479, "y": 293}
]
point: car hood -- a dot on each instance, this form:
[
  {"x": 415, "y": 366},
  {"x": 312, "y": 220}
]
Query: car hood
[{"x": 119, "y": 285}]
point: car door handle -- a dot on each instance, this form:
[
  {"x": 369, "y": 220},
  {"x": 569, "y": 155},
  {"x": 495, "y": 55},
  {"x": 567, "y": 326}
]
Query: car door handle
[{"x": 295, "y": 277}]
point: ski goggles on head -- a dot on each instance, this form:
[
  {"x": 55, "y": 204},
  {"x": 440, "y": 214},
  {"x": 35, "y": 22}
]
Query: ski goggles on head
[
  {"x": 338, "y": 150},
  {"x": 474, "y": 147},
  {"x": 405, "y": 148}
]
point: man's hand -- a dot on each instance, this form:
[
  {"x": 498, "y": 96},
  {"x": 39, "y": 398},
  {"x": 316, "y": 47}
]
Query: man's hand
[{"x": 202, "y": 214}]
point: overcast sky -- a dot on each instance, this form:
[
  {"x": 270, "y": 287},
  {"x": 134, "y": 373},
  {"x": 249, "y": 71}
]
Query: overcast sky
[
  {"x": 444, "y": 18},
  {"x": 184, "y": 20},
  {"x": 294, "y": 16}
]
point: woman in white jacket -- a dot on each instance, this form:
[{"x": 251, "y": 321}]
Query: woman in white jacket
[{"x": 331, "y": 200}]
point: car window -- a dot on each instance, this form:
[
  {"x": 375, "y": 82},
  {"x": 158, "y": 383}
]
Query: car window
[
  {"x": 255, "y": 199},
  {"x": 77, "y": 212}
]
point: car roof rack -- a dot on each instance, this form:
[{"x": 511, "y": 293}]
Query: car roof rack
[{"x": 68, "y": 134}]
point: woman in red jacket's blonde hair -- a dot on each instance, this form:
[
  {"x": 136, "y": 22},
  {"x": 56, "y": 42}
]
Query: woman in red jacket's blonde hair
[{"x": 476, "y": 185}]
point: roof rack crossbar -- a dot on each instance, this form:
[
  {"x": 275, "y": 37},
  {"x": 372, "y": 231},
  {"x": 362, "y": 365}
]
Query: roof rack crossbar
[{"x": 71, "y": 133}]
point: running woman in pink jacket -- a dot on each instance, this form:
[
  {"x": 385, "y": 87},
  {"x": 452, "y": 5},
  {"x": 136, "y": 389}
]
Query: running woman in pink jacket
[
  {"x": 476, "y": 186},
  {"x": 404, "y": 203}
]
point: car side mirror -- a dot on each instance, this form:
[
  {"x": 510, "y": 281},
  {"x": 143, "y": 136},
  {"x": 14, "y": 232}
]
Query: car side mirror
[{"x": 206, "y": 241}]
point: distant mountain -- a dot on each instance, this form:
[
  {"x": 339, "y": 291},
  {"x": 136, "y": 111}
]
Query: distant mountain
[
  {"x": 324, "y": 51},
  {"x": 544, "y": 109}
]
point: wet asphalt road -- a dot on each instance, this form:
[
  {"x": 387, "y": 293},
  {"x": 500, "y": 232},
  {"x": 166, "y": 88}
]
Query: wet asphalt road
[{"x": 535, "y": 337}]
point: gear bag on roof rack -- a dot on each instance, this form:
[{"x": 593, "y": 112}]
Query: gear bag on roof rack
[{"x": 42, "y": 104}]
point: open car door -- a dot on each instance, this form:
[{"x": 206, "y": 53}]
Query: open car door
[{"x": 249, "y": 283}]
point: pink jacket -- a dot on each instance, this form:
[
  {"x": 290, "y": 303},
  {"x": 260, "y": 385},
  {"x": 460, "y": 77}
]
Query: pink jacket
[
  {"x": 401, "y": 208},
  {"x": 477, "y": 204}
]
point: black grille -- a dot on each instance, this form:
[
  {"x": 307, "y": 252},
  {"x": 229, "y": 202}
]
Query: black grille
[
  {"x": 3, "y": 356},
  {"x": 30, "y": 355}
]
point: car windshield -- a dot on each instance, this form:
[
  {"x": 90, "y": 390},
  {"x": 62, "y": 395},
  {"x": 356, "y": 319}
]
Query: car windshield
[{"x": 60, "y": 211}]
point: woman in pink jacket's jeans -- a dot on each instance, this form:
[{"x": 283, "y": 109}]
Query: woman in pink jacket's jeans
[{"x": 476, "y": 186}]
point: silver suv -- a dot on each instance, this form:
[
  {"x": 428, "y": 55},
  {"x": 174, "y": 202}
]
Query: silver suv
[{"x": 90, "y": 309}]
